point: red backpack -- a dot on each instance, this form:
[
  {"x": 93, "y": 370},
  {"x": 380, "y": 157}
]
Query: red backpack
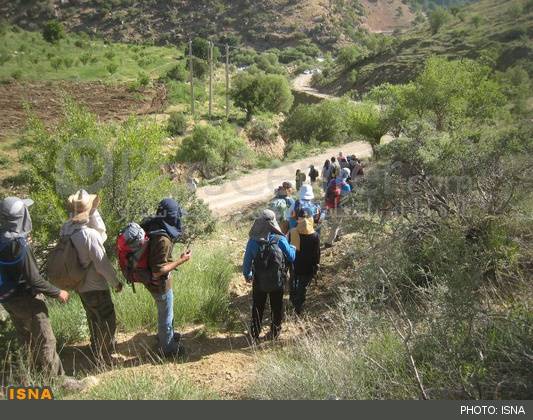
[
  {"x": 133, "y": 250},
  {"x": 333, "y": 195}
]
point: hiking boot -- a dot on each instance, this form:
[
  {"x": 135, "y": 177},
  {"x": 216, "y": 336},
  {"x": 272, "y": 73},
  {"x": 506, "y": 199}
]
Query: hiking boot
[{"x": 178, "y": 353}]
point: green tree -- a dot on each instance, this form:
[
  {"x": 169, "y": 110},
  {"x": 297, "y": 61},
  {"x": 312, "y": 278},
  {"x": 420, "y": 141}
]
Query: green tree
[
  {"x": 368, "y": 121},
  {"x": 200, "y": 49},
  {"x": 262, "y": 93},
  {"x": 53, "y": 31},
  {"x": 437, "y": 18},
  {"x": 215, "y": 150}
]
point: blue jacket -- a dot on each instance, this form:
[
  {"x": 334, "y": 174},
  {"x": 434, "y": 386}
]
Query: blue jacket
[{"x": 252, "y": 247}]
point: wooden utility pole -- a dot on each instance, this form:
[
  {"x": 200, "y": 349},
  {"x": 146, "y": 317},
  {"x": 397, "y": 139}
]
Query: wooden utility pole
[
  {"x": 210, "y": 78},
  {"x": 227, "y": 82},
  {"x": 191, "y": 75}
]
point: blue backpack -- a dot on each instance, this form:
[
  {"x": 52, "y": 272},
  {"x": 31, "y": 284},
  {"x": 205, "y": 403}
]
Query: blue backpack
[{"x": 9, "y": 281}]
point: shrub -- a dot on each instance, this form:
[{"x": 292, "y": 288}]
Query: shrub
[
  {"x": 17, "y": 74},
  {"x": 200, "y": 49},
  {"x": 178, "y": 73},
  {"x": 112, "y": 68},
  {"x": 215, "y": 150},
  {"x": 370, "y": 122},
  {"x": 262, "y": 93},
  {"x": 261, "y": 130},
  {"x": 177, "y": 124},
  {"x": 53, "y": 31},
  {"x": 56, "y": 63},
  {"x": 200, "y": 68},
  {"x": 437, "y": 18},
  {"x": 348, "y": 56}
]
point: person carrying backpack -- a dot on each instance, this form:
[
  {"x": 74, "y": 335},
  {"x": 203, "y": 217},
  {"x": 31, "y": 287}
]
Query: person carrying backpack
[
  {"x": 326, "y": 169},
  {"x": 335, "y": 169},
  {"x": 22, "y": 287},
  {"x": 304, "y": 202},
  {"x": 300, "y": 179},
  {"x": 337, "y": 189},
  {"x": 307, "y": 244},
  {"x": 266, "y": 260},
  {"x": 87, "y": 232},
  {"x": 280, "y": 205},
  {"x": 164, "y": 230},
  {"x": 313, "y": 174}
]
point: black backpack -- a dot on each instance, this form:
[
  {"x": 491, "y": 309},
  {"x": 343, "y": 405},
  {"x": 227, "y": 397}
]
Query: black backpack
[{"x": 270, "y": 268}]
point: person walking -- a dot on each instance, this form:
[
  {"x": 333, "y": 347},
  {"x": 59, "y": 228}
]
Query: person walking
[
  {"x": 313, "y": 174},
  {"x": 280, "y": 205},
  {"x": 307, "y": 244},
  {"x": 22, "y": 287},
  {"x": 305, "y": 201},
  {"x": 325, "y": 175},
  {"x": 164, "y": 229},
  {"x": 87, "y": 232},
  {"x": 337, "y": 189},
  {"x": 266, "y": 260},
  {"x": 335, "y": 169},
  {"x": 300, "y": 179}
]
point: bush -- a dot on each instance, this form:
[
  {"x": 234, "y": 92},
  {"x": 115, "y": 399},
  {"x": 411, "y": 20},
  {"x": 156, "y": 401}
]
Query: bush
[
  {"x": 262, "y": 93},
  {"x": 261, "y": 130},
  {"x": 177, "y": 124},
  {"x": 200, "y": 68},
  {"x": 120, "y": 162},
  {"x": 111, "y": 68},
  {"x": 215, "y": 150},
  {"x": 53, "y": 31},
  {"x": 348, "y": 56},
  {"x": 178, "y": 73},
  {"x": 200, "y": 49},
  {"x": 437, "y": 18}
]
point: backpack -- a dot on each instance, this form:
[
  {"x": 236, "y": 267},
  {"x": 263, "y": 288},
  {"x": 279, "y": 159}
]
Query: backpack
[
  {"x": 314, "y": 173},
  {"x": 333, "y": 195},
  {"x": 63, "y": 267},
  {"x": 133, "y": 247},
  {"x": 270, "y": 269},
  {"x": 334, "y": 172},
  {"x": 313, "y": 209},
  {"x": 279, "y": 206},
  {"x": 8, "y": 281}
]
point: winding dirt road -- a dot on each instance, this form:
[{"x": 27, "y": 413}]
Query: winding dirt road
[{"x": 259, "y": 186}]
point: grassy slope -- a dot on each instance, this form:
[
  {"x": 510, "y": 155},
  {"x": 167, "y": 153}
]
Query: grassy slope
[{"x": 499, "y": 30}]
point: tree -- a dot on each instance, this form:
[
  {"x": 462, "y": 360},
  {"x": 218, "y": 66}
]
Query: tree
[
  {"x": 200, "y": 49},
  {"x": 370, "y": 122},
  {"x": 200, "y": 68},
  {"x": 215, "y": 150},
  {"x": 262, "y": 93},
  {"x": 53, "y": 31},
  {"x": 348, "y": 56},
  {"x": 437, "y": 18}
]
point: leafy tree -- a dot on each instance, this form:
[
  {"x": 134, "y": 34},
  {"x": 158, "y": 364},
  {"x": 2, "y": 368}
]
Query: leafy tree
[
  {"x": 200, "y": 49},
  {"x": 200, "y": 68},
  {"x": 262, "y": 93},
  {"x": 215, "y": 150},
  {"x": 349, "y": 55},
  {"x": 437, "y": 18},
  {"x": 53, "y": 31},
  {"x": 368, "y": 121}
]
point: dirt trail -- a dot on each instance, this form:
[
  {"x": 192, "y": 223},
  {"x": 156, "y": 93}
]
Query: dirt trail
[
  {"x": 259, "y": 186},
  {"x": 302, "y": 83}
]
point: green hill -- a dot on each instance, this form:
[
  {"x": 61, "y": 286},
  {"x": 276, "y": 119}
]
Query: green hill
[{"x": 494, "y": 31}]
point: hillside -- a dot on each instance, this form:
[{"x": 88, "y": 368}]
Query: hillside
[
  {"x": 265, "y": 24},
  {"x": 478, "y": 30}
]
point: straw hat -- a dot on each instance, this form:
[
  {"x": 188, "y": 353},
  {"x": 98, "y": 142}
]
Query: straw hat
[{"x": 82, "y": 205}]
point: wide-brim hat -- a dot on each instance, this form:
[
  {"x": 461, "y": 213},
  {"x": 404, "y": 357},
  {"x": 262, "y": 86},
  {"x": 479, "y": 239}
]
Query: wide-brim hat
[
  {"x": 306, "y": 192},
  {"x": 13, "y": 207},
  {"x": 82, "y": 205}
]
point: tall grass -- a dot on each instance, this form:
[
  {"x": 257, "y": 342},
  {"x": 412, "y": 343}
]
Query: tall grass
[
  {"x": 129, "y": 384},
  {"x": 201, "y": 295}
]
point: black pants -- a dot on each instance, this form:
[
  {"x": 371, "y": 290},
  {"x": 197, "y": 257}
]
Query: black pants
[
  {"x": 101, "y": 319},
  {"x": 258, "y": 308},
  {"x": 299, "y": 283}
]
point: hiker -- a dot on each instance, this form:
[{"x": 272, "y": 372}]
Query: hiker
[
  {"x": 313, "y": 174},
  {"x": 343, "y": 162},
  {"x": 357, "y": 171},
  {"x": 337, "y": 189},
  {"x": 305, "y": 201},
  {"x": 266, "y": 260},
  {"x": 325, "y": 174},
  {"x": 164, "y": 229},
  {"x": 335, "y": 169},
  {"x": 280, "y": 205},
  {"x": 300, "y": 179},
  {"x": 87, "y": 232},
  {"x": 22, "y": 287},
  {"x": 307, "y": 244}
]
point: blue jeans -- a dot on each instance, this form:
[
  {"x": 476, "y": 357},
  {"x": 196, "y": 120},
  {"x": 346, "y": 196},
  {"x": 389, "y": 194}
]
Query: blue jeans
[{"x": 165, "y": 320}]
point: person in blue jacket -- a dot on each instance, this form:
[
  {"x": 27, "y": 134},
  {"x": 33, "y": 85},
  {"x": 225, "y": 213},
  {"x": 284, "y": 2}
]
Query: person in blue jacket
[{"x": 265, "y": 229}]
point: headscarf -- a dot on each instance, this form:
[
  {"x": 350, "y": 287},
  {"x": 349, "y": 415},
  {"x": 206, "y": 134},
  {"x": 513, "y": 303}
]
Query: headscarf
[
  {"x": 166, "y": 220},
  {"x": 15, "y": 220},
  {"x": 265, "y": 225}
]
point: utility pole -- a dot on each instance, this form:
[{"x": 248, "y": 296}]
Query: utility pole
[
  {"x": 227, "y": 82},
  {"x": 210, "y": 78},
  {"x": 191, "y": 75}
]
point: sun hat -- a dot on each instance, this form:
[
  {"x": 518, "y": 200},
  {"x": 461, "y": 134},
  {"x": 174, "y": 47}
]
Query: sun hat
[
  {"x": 306, "y": 192},
  {"x": 82, "y": 205},
  {"x": 15, "y": 220},
  {"x": 345, "y": 173}
]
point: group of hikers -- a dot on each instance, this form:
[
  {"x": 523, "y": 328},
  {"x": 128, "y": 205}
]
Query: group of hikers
[
  {"x": 22, "y": 287},
  {"x": 284, "y": 241}
]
